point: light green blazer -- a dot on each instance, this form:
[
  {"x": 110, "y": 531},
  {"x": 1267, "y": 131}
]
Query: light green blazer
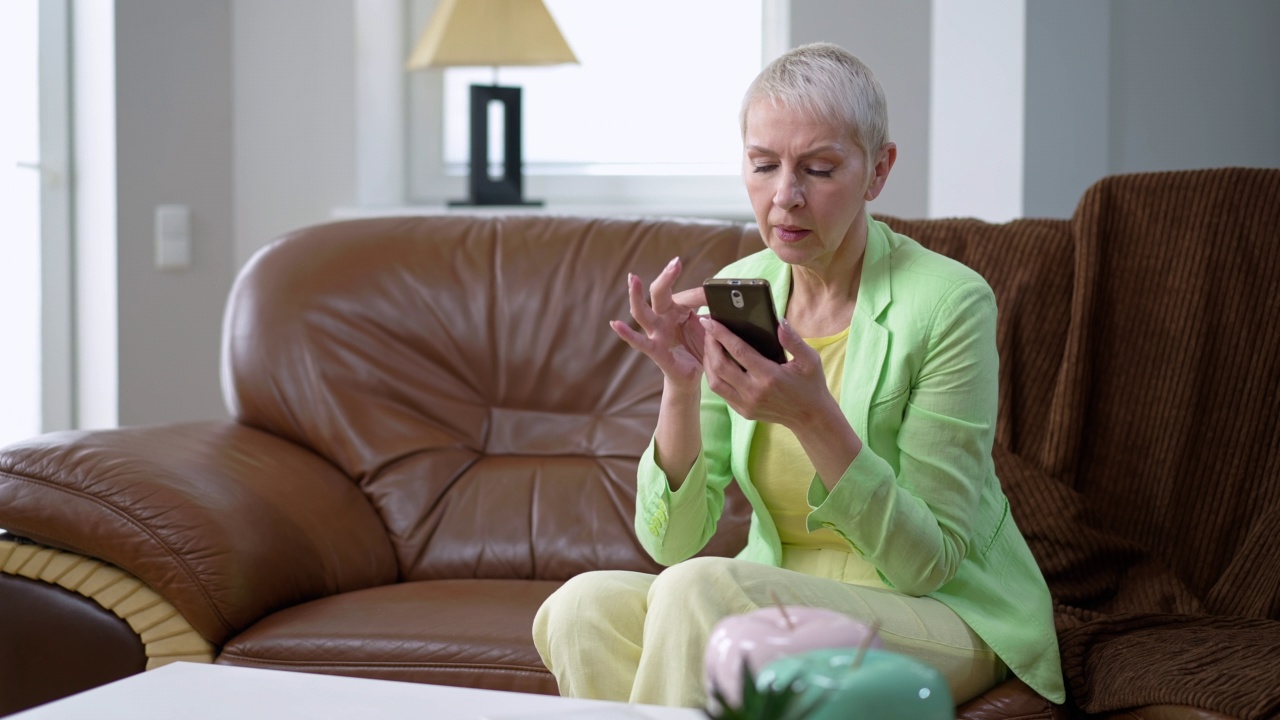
[{"x": 921, "y": 502}]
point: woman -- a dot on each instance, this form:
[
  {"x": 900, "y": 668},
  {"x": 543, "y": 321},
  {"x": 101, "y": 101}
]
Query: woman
[{"x": 866, "y": 457}]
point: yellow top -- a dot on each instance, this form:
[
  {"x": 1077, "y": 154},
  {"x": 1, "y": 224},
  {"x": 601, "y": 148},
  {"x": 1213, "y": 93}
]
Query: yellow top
[{"x": 781, "y": 469}]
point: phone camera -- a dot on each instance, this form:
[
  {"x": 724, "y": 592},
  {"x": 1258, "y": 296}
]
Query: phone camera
[{"x": 736, "y": 297}]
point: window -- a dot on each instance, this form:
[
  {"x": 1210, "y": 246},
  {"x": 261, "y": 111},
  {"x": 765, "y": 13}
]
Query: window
[
  {"x": 20, "y": 176},
  {"x": 656, "y": 90},
  {"x": 647, "y": 119},
  {"x": 35, "y": 368}
]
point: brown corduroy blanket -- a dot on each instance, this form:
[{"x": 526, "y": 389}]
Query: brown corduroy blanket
[{"x": 1139, "y": 436}]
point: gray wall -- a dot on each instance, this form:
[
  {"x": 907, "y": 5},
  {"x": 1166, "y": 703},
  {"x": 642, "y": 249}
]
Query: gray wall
[
  {"x": 1194, "y": 84},
  {"x": 244, "y": 110},
  {"x": 174, "y": 145},
  {"x": 1067, "y": 120},
  {"x": 1112, "y": 86},
  {"x": 1145, "y": 85},
  {"x": 892, "y": 38},
  {"x": 294, "y": 109}
]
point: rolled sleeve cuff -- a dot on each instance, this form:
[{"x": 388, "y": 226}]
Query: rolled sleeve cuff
[
  {"x": 845, "y": 502},
  {"x": 660, "y": 506}
]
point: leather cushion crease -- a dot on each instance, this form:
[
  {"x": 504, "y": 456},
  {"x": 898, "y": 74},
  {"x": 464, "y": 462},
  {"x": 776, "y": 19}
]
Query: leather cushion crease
[
  {"x": 460, "y": 377},
  {"x": 428, "y": 632}
]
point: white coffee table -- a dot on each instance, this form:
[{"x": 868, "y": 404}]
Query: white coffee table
[{"x": 190, "y": 691}]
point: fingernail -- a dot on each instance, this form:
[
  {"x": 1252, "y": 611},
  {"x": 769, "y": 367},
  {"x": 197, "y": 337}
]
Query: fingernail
[
  {"x": 705, "y": 322},
  {"x": 673, "y": 261}
]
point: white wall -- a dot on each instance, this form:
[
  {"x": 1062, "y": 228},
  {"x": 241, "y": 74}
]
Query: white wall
[
  {"x": 96, "y": 299},
  {"x": 976, "y": 112}
]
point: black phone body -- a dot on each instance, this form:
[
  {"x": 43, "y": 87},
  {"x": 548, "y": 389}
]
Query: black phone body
[{"x": 745, "y": 306}]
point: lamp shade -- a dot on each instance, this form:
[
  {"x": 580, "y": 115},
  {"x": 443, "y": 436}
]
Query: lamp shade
[{"x": 490, "y": 32}]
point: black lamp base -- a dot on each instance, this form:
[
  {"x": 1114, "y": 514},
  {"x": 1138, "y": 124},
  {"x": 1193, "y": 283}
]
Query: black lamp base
[
  {"x": 508, "y": 188},
  {"x": 475, "y": 203}
]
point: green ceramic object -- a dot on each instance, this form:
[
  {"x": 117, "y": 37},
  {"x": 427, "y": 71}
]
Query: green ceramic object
[
  {"x": 884, "y": 686},
  {"x": 756, "y": 702}
]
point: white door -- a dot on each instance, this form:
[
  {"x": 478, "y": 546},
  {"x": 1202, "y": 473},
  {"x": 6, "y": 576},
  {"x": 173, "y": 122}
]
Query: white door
[
  {"x": 20, "y": 180},
  {"x": 35, "y": 385}
]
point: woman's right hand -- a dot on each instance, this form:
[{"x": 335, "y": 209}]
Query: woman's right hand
[{"x": 671, "y": 335}]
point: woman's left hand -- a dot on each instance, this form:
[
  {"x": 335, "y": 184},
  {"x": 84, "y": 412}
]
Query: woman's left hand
[
  {"x": 759, "y": 389},
  {"x": 793, "y": 394}
]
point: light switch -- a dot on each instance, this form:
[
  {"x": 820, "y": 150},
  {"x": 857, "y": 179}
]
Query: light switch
[{"x": 173, "y": 237}]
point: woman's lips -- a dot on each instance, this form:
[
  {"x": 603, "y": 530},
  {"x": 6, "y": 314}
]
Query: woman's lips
[{"x": 790, "y": 233}]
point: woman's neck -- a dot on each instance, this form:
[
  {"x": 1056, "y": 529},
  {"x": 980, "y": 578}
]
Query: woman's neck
[
  {"x": 818, "y": 309},
  {"x": 823, "y": 298}
]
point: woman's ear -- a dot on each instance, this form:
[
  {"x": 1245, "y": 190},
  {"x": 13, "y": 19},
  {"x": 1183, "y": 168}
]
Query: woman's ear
[{"x": 885, "y": 157}]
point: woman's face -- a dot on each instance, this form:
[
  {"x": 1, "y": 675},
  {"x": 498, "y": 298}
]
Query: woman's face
[{"x": 808, "y": 182}]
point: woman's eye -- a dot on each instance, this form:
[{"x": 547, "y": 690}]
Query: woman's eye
[
  {"x": 763, "y": 168},
  {"x": 820, "y": 173}
]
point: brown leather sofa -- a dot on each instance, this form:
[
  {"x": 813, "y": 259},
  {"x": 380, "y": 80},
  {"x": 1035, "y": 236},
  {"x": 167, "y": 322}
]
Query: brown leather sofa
[{"x": 433, "y": 427}]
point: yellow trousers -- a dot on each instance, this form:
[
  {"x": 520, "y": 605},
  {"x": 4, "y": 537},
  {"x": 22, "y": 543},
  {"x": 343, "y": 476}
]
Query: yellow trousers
[{"x": 635, "y": 637}]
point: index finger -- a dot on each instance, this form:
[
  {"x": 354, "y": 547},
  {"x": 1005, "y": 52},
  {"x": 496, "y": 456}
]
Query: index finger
[
  {"x": 660, "y": 290},
  {"x": 693, "y": 298},
  {"x": 747, "y": 357}
]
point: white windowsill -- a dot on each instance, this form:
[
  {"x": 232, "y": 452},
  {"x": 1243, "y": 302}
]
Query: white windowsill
[{"x": 729, "y": 212}]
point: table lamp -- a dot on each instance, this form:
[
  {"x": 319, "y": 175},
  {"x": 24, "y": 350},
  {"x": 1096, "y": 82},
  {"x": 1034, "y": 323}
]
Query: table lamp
[{"x": 468, "y": 33}]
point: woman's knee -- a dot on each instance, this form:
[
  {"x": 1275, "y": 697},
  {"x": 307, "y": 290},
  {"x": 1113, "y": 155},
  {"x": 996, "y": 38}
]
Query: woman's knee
[
  {"x": 699, "y": 582},
  {"x": 590, "y": 595}
]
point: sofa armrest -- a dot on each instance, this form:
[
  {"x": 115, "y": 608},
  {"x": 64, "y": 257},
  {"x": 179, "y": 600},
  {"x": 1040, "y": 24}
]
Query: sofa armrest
[{"x": 226, "y": 522}]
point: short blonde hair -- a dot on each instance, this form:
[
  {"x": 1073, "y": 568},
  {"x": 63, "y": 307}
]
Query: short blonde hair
[{"x": 830, "y": 83}]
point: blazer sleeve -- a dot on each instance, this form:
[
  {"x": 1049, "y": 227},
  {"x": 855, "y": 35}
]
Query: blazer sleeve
[
  {"x": 673, "y": 525},
  {"x": 916, "y": 524}
]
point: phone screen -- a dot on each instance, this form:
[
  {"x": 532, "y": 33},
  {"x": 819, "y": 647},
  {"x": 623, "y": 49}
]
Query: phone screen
[{"x": 745, "y": 306}]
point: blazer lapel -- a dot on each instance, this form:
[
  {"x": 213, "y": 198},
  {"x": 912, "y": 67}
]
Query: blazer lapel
[{"x": 868, "y": 339}]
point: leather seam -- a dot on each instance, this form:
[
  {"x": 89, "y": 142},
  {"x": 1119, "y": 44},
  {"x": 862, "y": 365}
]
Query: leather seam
[{"x": 173, "y": 556}]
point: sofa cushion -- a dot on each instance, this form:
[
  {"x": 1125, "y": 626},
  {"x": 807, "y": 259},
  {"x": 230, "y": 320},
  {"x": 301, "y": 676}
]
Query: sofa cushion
[
  {"x": 1011, "y": 700},
  {"x": 462, "y": 372},
  {"x": 471, "y": 633}
]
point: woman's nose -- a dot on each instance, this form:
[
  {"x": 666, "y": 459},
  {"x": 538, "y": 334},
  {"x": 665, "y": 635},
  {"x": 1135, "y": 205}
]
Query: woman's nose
[{"x": 788, "y": 194}]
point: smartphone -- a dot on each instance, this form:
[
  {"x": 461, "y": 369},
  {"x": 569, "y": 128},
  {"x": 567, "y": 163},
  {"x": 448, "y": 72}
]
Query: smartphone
[{"x": 745, "y": 306}]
